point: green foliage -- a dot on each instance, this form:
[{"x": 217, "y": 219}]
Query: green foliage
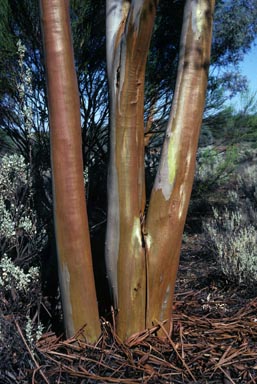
[
  {"x": 206, "y": 137},
  {"x": 21, "y": 21},
  {"x": 8, "y": 51},
  {"x": 220, "y": 123},
  {"x": 235, "y": 28},
  {"x": 88, "y": 28},
  {"x": 24, "y": 105},
  {"x": 214, "y": 167},
  {"x": 6, "y": 144},
  {"x": 228, "y": 126},
  {"x": 245, "y": 121}
]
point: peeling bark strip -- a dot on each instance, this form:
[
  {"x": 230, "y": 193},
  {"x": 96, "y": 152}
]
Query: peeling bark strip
[
  {"x": 129, "y": 29},
  {"x": 71, "y": 225},
  {"x": 171, "y": 193}
]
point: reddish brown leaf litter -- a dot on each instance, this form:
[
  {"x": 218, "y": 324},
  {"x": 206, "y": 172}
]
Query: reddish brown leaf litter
[
  {"x": 204, "y": 348},
  {"x": 214, "y": 340}
]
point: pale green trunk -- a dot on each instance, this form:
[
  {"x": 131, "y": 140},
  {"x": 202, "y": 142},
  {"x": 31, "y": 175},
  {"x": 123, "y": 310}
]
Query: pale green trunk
[{"x": 127, "y": 48}]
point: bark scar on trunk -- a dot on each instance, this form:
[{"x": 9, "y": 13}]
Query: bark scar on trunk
[{"x": 143, "y": 230}]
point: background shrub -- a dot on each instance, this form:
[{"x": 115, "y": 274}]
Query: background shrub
[
  {"x": 234, "y": 241},
  {"x": 214, "y": 166},
  {"x": 232, "y": 233},
  {"x": 22, "y": 238},
  {"x": 22, "y": 235}
]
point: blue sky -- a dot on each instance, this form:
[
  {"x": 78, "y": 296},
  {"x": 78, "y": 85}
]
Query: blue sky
[{"x": 249, "y": 69}]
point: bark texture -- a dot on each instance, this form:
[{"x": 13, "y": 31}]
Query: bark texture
[
  {"x": 172, "y": 189},
  {"x": 129, "y": 29},
  {"x": 143, "y": 254},
  {"x": 71, "y": 224}
]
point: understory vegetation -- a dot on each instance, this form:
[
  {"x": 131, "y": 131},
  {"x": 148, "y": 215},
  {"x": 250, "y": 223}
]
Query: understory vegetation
[{"x": 232, "y": 234}]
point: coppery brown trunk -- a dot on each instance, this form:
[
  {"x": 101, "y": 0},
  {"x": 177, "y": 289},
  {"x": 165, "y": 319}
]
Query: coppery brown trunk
[
  {"x": 71, "y": 225},
  {"x": 172, "y": 188},
  {"x": 143, "y": 254}
]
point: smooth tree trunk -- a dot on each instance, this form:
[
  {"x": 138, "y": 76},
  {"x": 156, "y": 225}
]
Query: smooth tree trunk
[
  {"x": 173, "y": 184},
  {"x": 142, "y": 253},
  {"x": 129, "y": 30},
  {"x": 71, "y": 224}
]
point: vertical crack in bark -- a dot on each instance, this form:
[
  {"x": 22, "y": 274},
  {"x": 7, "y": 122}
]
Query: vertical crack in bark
[
  {"x": 126, "y": 54},
  {"x": 146, "y": 282},
  {"x": 145, "y": 249}
]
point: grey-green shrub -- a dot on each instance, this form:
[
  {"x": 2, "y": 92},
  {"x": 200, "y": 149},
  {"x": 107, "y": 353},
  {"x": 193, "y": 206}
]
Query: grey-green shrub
[
  {"x": 233, "y": 239},
  {"x": 247, "y": 182},
  {"x": 22, "y": 235},
  {"x": 22, "y": 238},
  {"x": 14, "y": 277}
]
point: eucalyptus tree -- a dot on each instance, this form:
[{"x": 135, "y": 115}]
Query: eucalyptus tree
[
  {"x": 142, "y": 243},
  {"x": 143, "y": 246},
  {"x": 70, "y": 214}
]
